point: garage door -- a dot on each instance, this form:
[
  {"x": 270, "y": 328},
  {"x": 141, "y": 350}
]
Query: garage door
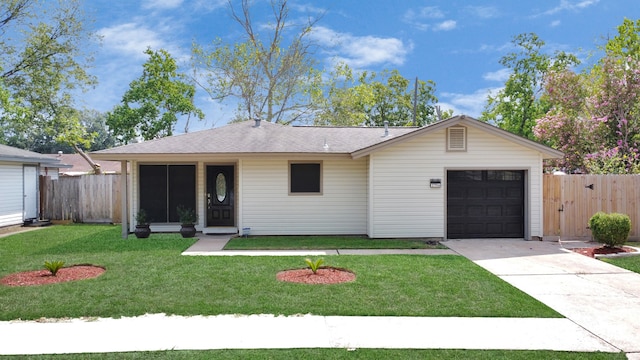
[{"x": 485, "y": 204}]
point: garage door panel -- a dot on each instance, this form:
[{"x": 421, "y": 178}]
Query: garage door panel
[
  {"x": 485, "y": 204},
  {"x": 495, "y": 210},
  {"x": 476, "y": 193}
]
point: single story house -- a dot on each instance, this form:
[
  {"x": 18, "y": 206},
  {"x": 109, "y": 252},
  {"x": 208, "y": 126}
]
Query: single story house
[
  {"x": 456, "y": 178},
  {"x": 20, "y": 172}
]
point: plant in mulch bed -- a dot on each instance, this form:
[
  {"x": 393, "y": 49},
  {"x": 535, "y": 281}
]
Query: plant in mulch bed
[
  {"x": 610, "y": 229},
  {"x": 314, "y": 265},
  {"x": 53, "y": 266}
]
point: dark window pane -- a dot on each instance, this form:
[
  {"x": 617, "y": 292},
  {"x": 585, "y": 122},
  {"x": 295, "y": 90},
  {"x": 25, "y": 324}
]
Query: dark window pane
[
  {"x": 164, "y": 187},
  {"x": 305, "y": 178},
  {"x": 153, "y": 192},
  {"x": 182, "y": 189}
]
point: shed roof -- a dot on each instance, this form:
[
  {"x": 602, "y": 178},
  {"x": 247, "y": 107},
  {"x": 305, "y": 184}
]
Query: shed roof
[{"x": 13, "y": 154}]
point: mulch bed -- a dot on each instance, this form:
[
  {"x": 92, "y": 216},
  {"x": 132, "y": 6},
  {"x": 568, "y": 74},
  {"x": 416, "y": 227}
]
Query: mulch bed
[
  {"x": 603, "y": 250},
  {"x": 43, "y": 277},
  {"x": 324, "y": 275}
]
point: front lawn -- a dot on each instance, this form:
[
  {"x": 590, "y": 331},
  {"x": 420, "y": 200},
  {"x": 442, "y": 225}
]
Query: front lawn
[
  {"x": 631, "y": 263},
  {"x": 324, "y": 242},
  {"x": 150, "y": 276}
]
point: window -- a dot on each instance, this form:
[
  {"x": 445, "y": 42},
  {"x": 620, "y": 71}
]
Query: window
[
  {"x": 165, "y": 187},
  {"x": 456, "y": 138},
  {"x": 305, "y": 178}
]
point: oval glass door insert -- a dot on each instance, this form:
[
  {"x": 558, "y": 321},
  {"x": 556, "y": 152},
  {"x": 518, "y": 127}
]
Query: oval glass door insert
[{"x": 221, "y": 187}]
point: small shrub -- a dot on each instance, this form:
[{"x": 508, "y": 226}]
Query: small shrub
[
  {"x": 53, "y": 266},
  {"x": 187, "y": 215},
  {"x": 141, "y": 217},
  {"x": 314, "y": 265},
  {"x": 610, "y": 229}
]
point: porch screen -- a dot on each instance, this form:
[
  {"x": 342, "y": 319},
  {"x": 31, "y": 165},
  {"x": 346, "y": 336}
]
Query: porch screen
[{"x": 165, "y": 187}]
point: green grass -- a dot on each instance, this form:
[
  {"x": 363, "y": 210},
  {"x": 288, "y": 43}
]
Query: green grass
[
  {"x": 631, "y": 263},
  {"x": 150, "y": 276},
  {"x": 330, "y": 354},
  {"x": 324, "y": 242}
]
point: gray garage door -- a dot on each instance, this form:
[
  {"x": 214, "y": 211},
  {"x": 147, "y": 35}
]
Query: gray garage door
[{"x": 485, "y": 204}]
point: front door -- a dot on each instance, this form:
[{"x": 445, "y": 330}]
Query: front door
[{"x": 220, "y": 196}]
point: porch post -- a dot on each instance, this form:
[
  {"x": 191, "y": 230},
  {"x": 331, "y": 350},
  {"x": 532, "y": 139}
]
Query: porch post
[{"x": 123, "y": 194}]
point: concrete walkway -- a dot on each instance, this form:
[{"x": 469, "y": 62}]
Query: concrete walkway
[
  {"x": 599, "y": 297},
  {"x": 601, "y": 303}
]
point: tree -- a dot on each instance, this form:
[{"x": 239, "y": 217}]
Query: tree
[
  {"x": 41, "y": 66},
  {"x": 516, "y": 107},
  {"x": 270, "y": 79},
  {"x": 151, "y": 106},
  {"x": 371, "y": 98},
  {"x": 595, "y": 116}
]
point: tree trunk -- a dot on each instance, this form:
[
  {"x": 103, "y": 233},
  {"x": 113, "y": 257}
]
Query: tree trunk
[{"x": 94, "y": 166}]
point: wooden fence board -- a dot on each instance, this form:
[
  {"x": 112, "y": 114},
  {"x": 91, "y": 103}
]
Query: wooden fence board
[
  {"x": 87, "y": 198},
  {"x": 569, "y": 202}
]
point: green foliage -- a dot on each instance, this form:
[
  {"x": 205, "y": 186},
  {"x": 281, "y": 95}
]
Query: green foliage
[
  {"x": 42, "y": 65},
  {"x": 371, "y": 98},
  {"x": 627, "y": 42},
  {"x": 187, "y": 215},
  {"x": 141, "y": 217},
  {"x": 314, "y": 265},
  {"x": 516, "y": 107},
  {"x": 53, "y": 266},
  {"x": 610, "y": 229},
  {"x": 151, "y": 106}
]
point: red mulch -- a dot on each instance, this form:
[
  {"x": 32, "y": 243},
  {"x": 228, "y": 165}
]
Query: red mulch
[
  {"x": 42, "y": 277},
  {"x": 324, "y": 275},
  {"x": 592, "y": 251}
]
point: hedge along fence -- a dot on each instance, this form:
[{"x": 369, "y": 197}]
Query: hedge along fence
[
  {"x": 569, "y": 201},
  {"x": 86, "y": 198}
]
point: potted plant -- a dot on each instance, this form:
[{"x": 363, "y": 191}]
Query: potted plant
[
  {"x": 142, "y": 225},
  {"x": 188, "y": 219}
]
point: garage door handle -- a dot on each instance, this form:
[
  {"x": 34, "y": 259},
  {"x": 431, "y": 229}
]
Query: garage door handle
[{"x": 561, "y": 208}]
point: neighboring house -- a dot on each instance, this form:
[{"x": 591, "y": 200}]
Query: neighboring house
[
  {"x": 20, "y": 183},
  {"x": 457, "y": 178},
  {"x": 80, "y": 166}
]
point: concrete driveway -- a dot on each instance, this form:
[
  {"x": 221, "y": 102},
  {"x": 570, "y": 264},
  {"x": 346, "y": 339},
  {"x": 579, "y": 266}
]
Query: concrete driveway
[{"x": 601, "y": 298}]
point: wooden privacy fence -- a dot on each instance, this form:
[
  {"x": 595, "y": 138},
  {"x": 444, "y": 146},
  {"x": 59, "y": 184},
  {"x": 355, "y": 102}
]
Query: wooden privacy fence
[
  {"x": 570, "y": 200},
  {"x": 86, "y": 198}
]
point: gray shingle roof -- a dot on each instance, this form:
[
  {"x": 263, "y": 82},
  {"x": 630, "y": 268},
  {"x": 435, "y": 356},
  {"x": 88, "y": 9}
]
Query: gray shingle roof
[
  {"x": 245, "y": 137},
  {"x": 10, "y": 153}
]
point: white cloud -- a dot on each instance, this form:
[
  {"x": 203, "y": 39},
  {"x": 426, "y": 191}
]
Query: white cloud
[
  {"x": 445, "y": 26},
  {"x": 361, "y": 51},
  {"x": 161, "y": 4},
  {"x": 466, "y": 104},
  {"x": 130, "y": 39},
  {"x": 569, "y": 5},
  {"x": 421, "y": 18},
  {"x": 501, "y": 75},
  {"x": 484, "y": 12},
  {"x": 555, "y": 23}
]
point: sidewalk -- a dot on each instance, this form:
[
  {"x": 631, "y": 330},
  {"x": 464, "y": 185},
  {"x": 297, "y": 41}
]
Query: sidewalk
[
  {"x": 585, "y": 290},
  {"x": 160, "y": 332}
]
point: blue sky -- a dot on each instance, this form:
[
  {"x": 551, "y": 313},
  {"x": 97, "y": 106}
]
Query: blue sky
[{"x": 457, "y": 44}]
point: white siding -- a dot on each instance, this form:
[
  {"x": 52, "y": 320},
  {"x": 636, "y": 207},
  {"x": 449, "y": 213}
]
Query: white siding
[
  {"x": 268, "y": 208},
  {"x": 11, "y": 194},
  {"x": 403, "y": 204}
]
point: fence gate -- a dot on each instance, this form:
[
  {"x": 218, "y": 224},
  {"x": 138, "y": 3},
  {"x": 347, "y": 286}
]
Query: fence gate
[{"x": 570, "y": 200}]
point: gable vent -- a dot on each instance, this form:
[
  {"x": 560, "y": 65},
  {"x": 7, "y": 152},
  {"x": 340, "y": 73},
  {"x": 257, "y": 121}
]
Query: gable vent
[{"x": 456, "y": 139}]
